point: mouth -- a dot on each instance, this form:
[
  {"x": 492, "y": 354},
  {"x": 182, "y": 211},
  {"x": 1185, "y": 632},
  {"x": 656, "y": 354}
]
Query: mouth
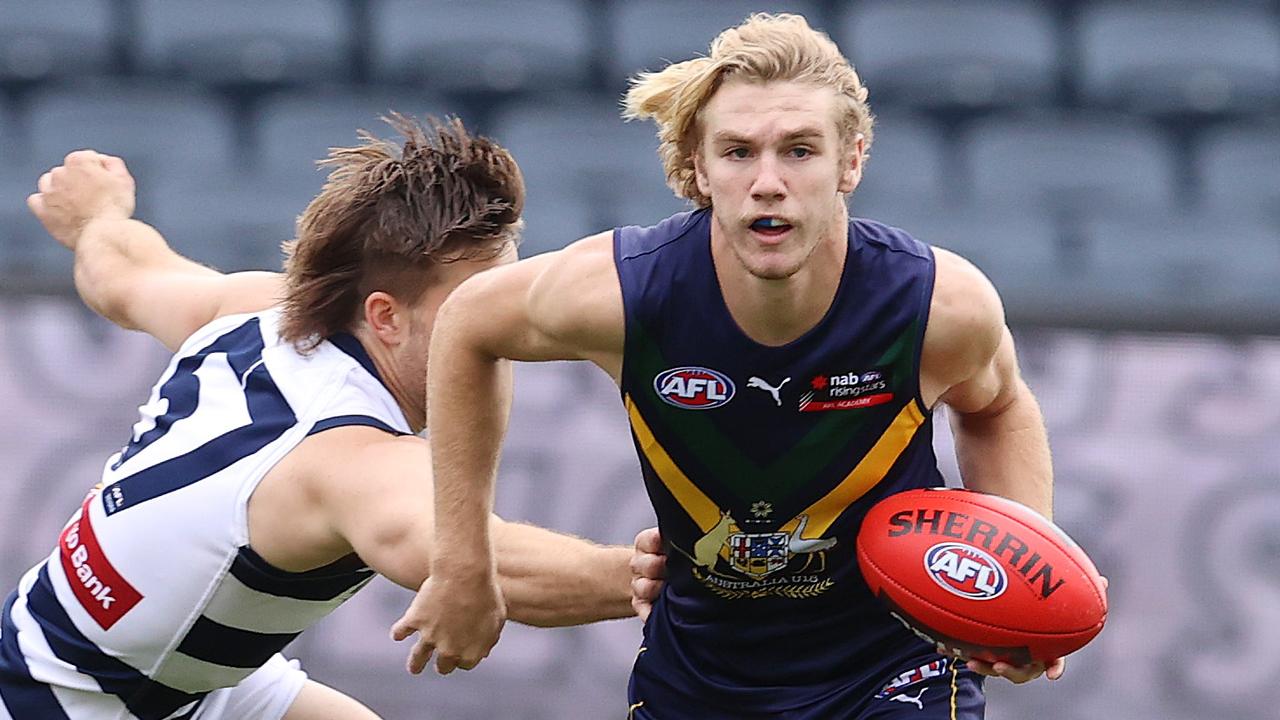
[{"x": 770, "y": 226}]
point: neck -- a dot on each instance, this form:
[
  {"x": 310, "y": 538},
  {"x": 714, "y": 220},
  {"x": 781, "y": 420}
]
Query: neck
[
  {"x": 409, "y": 396},
  {"x": 776, "y": 312}
]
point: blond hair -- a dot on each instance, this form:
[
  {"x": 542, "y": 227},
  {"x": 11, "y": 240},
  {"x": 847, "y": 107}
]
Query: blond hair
[{"x": 763, "y": 48}]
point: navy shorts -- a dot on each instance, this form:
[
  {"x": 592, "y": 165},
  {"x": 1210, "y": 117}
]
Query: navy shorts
[{"x": 924, "y": 688}]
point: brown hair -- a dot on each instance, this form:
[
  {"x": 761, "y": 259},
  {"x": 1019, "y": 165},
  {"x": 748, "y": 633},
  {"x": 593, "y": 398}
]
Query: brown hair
[
  {"x": 388, "y": 214},
  {"x": 763, "y": 48}
]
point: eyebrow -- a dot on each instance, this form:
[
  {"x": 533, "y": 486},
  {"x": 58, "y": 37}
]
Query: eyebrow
[{"x": 808, "y": 133}]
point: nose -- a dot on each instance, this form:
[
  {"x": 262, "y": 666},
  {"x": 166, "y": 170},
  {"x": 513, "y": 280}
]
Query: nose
[{"x": 768, "y": 183}]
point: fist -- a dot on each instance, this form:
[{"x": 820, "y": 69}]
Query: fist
[
  {"x": 86, "y": 186},
  {"x": 648, "y": 572}
]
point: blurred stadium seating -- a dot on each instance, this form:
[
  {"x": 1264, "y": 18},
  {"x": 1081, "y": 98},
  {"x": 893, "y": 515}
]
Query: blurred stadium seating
[
  {"x": 243, "y": 41},
  {"x": 483, "y": 45},
  {"x": 1023, "y": 134},
  {"x": 965, "y": 54},
  {"x": 40, "y": 40}
]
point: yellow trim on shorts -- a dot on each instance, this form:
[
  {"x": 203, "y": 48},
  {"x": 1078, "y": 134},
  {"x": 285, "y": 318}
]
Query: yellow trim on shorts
[{"x": 953, "y": 689}]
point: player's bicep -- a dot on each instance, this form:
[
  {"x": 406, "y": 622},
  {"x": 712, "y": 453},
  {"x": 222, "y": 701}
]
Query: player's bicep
[
  {"x": 962, "y": 363},
  {"x": 991, "y": 386},
  {"x": 172, "y": 303}
]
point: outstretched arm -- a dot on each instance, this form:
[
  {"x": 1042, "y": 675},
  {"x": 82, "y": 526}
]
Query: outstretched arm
[
  {"x": 358, "y": 489},
  {"x": 564, "y": 305},
  {"x": 124, "y": 269}
]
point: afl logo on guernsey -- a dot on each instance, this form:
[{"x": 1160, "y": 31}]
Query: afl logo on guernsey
[
  {"x": 965, "y": 570},
  {"x": 694, "y": 388}
]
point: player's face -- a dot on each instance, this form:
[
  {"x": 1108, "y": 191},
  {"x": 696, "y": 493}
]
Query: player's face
[
  {"x": 446, "y": 278},
  {"x": 774, "y": 166}
]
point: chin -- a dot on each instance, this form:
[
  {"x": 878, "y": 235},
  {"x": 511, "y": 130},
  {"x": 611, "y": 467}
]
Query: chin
[{"x": 773, "y": 270}]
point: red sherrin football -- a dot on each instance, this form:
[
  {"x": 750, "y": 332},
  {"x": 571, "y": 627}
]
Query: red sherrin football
[{"x": 982, "y": 575}]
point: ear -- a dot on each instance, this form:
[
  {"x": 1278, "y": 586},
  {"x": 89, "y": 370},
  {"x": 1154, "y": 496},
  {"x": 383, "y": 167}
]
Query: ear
[
  {"x": 700, "y": 172},
  {"x": 851, "y": 164},
  {"x": 388, "y": 319}
]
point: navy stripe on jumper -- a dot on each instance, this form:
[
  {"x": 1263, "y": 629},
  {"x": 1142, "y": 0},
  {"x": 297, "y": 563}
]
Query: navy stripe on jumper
[
  {"x": 269, "y": 412},
  {"x": 144, "y": 697},
  {"x": 214, "y": 642},
  {"x": 347, "y": 420},
  {"x": 322, "y": 583},
  {"x": 22, "y": 695}
]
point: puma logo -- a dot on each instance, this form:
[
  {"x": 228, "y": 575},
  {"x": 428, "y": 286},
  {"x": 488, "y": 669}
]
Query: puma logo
[
  {"x": 905, "y": 698},
  {"x": 756, "y": 382}
]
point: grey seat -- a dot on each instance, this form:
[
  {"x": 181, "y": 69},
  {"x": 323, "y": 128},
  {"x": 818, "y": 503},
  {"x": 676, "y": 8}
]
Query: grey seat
[
  {"x": 496, "y": 45},
  {"x": 1201, "y": 270},
  {"x": 908, "y": 163},
  {"x": 576, "y": 152},
  {"x": 1240, "y": 169},
  {"x": 1180, "y": 57},
  {"x": 953, "y": 52},
  {"x": 295, "y": 130},
  {"x": 647, "y": 35},
  {"x": 1019, "y": 249},
  {"x": 237, "y": 224},
  {"x": 244, "y": 40},
  {"x": 28, "y": 256},
  {"x": 40, "y": 40},
  {"x": 166, "y": 133},
  {"x": 13, "y": 145},
  {"x": 1070, "y": 162}
]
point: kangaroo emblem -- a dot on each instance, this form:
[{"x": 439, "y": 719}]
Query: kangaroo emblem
[
  {"x": 905, "y": 698},
  {"x": 756, "y": 382}
]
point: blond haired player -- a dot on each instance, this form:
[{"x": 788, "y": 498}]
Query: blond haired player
[{"x": 779, "y": 362}]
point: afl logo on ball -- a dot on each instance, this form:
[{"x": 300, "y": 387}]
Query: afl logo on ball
[
  {"x": 694, "y": 388},
  {"x": 965, "y": 570}
]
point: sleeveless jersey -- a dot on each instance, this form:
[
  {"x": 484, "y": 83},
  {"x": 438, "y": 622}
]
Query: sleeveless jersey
[
  {"x": 153, "y": 593},
  {"x": 761, "y": 461}
]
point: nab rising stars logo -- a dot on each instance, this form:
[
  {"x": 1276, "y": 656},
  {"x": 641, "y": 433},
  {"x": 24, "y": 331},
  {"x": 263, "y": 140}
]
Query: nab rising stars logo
[
  {"x": 965, "y": 570},
  {"x": 694, "y": 388}
]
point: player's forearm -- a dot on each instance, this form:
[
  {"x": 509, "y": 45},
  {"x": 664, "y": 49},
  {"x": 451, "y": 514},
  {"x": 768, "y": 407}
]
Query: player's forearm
[
  {"x": 549, "y": 579},
  {"x": 1006, "y": 452},
  {"x": 110, "y": 255},
  {"x": 469, "y": 399}
]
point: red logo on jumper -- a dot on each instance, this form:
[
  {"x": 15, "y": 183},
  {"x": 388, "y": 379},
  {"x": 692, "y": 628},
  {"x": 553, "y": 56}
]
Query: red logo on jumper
[
  {"x": 846, "y": 391},
  {"x": 104, "y": 594}
]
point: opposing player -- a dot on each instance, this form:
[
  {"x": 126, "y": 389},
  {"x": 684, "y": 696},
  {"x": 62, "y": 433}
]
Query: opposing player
[
  {"x": 274, "y": 469},
  {"x": 779, "y": 363}
]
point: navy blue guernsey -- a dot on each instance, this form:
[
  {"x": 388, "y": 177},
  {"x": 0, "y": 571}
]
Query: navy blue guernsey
[{"x": 761, "y": 461}]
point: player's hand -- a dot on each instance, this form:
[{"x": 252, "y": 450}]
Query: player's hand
[
  {"x": 1025, "y": 673},
  {"x": 458, "y": 620},
  {"x": 1019, "y": 674},
  {"x": 87, "y": 186},
  {"x": 648, "y": 570}
]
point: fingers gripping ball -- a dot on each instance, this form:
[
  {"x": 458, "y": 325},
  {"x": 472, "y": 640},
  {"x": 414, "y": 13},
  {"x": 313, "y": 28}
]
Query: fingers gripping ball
[{"x": 981, "y": 576}]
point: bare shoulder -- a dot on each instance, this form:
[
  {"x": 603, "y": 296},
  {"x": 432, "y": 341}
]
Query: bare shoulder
[
  {"x": 332, "y": 457},
  {"x": 577, "y": 297},
  {"x": 966, "y": 324},
  {"x": 335, "y": 489},
  {"x": 562, "y": 305}
]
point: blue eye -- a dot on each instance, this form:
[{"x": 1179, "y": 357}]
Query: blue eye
[
  {"x": 739, "y": 153},
  {"x": 801, "y": 152}
]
